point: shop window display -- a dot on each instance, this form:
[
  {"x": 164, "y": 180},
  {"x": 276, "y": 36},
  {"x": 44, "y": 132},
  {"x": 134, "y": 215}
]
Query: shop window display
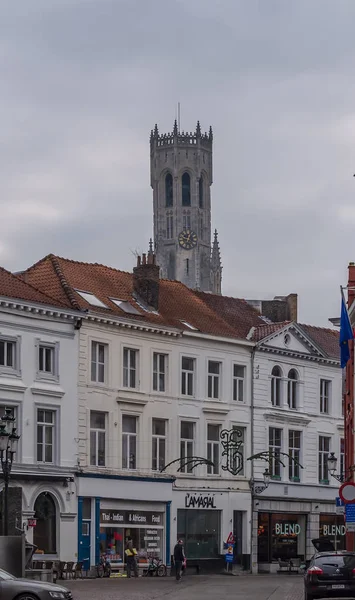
[
  {"x": 200, "y": 531},
  {"x": 332, "y": 527},
  {"x": 281, "y": 536}
]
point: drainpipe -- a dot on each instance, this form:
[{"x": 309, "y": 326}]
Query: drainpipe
[{"x": 252, "y": 453}]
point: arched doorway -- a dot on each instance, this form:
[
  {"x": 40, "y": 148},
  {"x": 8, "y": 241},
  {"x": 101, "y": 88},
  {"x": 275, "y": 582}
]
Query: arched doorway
[{"x": 45, "y": 532}]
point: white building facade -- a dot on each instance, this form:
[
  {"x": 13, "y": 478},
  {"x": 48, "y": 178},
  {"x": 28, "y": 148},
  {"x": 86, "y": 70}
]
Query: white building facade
[
  {"x": 148, "y": 397},
  {"x": 38, "y": 386},
  {"x": 297, "y": 408}
]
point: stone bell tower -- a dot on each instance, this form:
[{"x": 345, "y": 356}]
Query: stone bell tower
[{"x": 181, "y": 178}]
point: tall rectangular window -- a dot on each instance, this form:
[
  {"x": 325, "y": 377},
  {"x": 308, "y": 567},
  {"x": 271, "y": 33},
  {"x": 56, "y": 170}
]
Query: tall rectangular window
[
  {"x": 238, "y": 383},
  {"x": 275, "y": 444},
  {"x": 187, "y": 376},
  {"x": 45, "y": 435},
  {"x": 213, "y": 448},
  {"x": 169, "y": 226},
  {"x": 7, "y": 353},
  {"x": 186, "y": 445},
  {"x": 98, "y": 360},
  {"x": 158, "y": 444},
  {"x": 323, "y": 453},
  {"x": 130, "y": 367},
  {"x": 294, "y": 451},
  {"x": 97, "y": 438},
  {"x": 342, "y": 457},
  {"x": 324, "y": 396},
  {"x": 214, "y": 372},
  {"x": 129, "y": 442},
  {"x": 159, "y": 371}
]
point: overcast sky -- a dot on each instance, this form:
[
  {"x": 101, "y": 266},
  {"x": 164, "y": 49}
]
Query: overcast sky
[{"x": 84, "y": 81}]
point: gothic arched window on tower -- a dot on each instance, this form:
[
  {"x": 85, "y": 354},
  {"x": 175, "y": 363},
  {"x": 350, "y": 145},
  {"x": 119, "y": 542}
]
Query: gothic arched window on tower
[
  {"x": 186, "y": 189},
  {"x": 169, "y": 190},
  {"x": 169, "y": 225},
  {"x": 200, "y": 227},
  {"x": 186, "y": 220},
  {"x": 200, "y": 192}
]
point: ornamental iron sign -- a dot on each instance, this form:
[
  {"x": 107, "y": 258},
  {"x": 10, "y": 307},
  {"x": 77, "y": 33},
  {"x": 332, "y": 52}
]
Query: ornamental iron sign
[{"x": 232, "y": 443}]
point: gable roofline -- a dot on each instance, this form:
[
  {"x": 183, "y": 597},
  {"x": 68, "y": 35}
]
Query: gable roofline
[
  {"x": 39, "y": 308},
  {"x": 298, "y": 329}
]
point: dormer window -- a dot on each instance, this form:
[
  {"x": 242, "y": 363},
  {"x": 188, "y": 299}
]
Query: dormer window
[{"x": 91, "y": 299}]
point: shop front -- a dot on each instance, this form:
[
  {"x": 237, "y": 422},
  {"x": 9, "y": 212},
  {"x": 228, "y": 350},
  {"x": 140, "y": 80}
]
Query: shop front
[
  {"x": 146, "y": 529},
  {"x": 332, "y": 527},
  {"x": 204, "y": 521},
  {"x": 113, "y": 509},
  {"x": 281, "y": 536}
]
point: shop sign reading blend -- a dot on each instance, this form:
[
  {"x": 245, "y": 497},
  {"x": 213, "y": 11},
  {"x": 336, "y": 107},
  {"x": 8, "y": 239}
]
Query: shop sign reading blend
[{"x": 287, "y": 529}]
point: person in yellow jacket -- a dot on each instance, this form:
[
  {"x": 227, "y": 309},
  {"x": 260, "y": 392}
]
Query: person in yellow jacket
[{"x": 131, "y": 558}]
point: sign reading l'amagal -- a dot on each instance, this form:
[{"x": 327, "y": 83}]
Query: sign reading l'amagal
[{"x": 199, "y": 501}]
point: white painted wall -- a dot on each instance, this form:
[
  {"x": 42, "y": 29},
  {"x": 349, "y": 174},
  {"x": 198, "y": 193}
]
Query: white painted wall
[{"x": 26, "y": 392}]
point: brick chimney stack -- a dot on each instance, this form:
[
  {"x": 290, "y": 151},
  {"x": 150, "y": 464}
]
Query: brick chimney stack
[{"x": 146, "y": 279}]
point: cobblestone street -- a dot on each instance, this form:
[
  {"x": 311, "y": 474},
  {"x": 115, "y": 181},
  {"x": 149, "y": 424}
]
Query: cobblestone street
[{"x": 194, "y": 587}]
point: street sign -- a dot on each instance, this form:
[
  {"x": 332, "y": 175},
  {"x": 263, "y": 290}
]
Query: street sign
[
  {"x": 31, "y": 522},
  {"x": 230, "y": 538},
  {"x": 229, "y": 558},
  {"x": 349, "y": 527},
  {"x": 350, "y": 517},
  {"x": 339, "y": 506},
  {"x": 347, "y": 492}
]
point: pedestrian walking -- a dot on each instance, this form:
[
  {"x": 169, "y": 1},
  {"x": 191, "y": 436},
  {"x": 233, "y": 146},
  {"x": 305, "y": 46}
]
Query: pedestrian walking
[
  {"x": 131, "y": 559},
  {"x": 179, "y": 559}
]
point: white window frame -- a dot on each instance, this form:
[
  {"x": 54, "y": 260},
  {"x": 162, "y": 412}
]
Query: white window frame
[
  {"x": 157, "y": 372},
  {"x": 159, "y": 438},
  {"x": 14, "y": 370},
  {"x": 325, "y": 390},
  {"x": 127, "y": 435},
  {"x": 53, "y": 347},
  {"x": 293, "y": 390},
  {"x": 213, "y": 380},
  {"x": 275, "y": 466},
  {"x": 98, "y": 363},
  {"x": 294, "y": 469},
  {"x": 128, "y": 370},
  {"x": 98, "y": 431},
  {"x": 188, "y": 444},
  {"x": 213, "y": 450},
  {"x": 276, "y": 387},
  {"x": 237, "y": 383},
  {"x": 55, "y": 437},
  {"x": 323, "y": 455},
  {"x": 187, "y": 376}
]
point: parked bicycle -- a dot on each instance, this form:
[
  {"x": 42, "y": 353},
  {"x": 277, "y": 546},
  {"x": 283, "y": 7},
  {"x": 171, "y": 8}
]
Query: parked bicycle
[
  {"x": 155, "y": 567},
  {"x": 104, "y": 567}
]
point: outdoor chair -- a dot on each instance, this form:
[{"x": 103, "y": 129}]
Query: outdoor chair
[
  {"x": 284, "y": 566},
  {"x": 78, "y": 570}
]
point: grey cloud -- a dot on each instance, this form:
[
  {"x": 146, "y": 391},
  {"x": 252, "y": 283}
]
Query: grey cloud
[{"x": 84, "y": 81}]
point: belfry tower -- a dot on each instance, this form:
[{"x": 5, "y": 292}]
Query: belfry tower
[{"x": 181, "y": 178}]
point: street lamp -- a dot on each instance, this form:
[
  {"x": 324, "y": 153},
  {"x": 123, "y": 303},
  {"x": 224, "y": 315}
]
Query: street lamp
[
  {"x": 8, "y": 448},
  {"x": 259, "y": 488},
  {"x": 332, "y": 467}
]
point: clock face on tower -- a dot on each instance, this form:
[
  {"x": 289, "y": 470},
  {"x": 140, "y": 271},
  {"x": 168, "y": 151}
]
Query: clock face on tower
[{"x": 187, "y": 239}]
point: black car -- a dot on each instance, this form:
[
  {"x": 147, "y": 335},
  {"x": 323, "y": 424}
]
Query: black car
[{"x": 330, "y": 573}]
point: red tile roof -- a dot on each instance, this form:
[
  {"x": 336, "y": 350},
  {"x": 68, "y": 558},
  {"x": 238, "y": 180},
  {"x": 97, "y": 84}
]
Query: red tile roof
[
  {"x": 13, "y": 287},
  {"x": 214, "y": 315},
  {"x": 263, "y": 331},
  {"x": 326, "y": 339}
]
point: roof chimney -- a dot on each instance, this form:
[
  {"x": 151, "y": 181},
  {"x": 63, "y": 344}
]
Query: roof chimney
[{"x": 146, "y": 279}]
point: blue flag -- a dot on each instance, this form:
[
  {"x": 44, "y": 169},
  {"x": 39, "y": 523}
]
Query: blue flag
[{"x": 346, "y": 333}]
